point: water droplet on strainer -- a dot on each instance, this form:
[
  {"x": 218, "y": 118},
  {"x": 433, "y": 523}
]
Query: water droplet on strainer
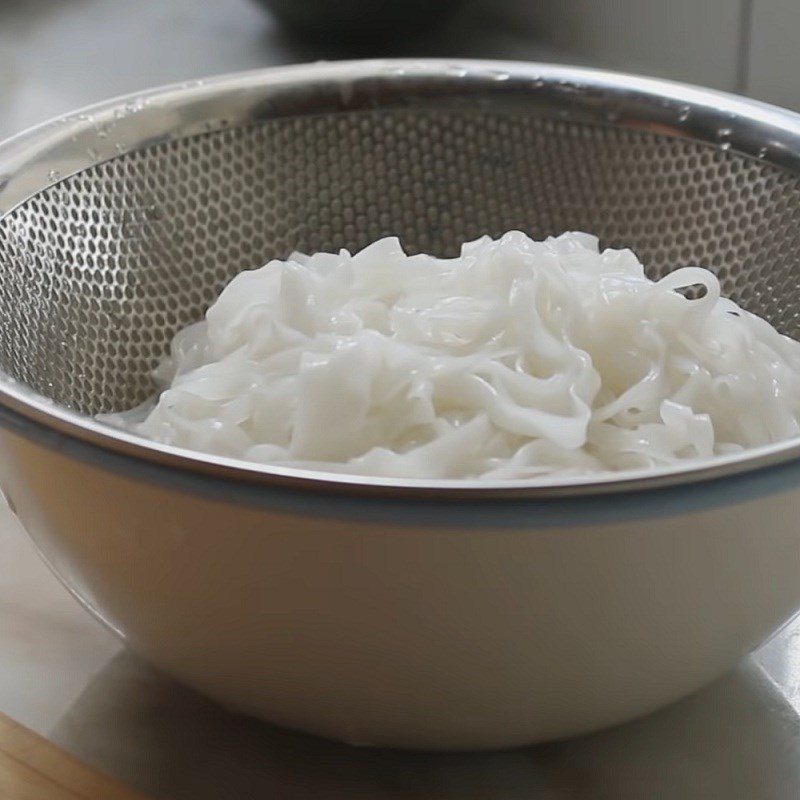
[
  {"x": 457, "y": 71},
  {"x": 763, "y": 152},
  {"x": 53, "y": 175},
  {"x": 570, "y": 86},
  {"x": 684, "y": 112},
  {"x": 499, "y": 75},
  {"x": 724, "y": 137},
  {"x": 537, "y": 83}
]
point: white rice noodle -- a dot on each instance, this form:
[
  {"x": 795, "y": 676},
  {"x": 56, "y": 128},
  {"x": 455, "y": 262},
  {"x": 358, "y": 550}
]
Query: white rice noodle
[{"x": 519, "y": 359}]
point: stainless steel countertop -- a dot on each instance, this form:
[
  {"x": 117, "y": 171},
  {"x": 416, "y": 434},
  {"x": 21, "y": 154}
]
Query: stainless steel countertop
[{"x": 66, "y": 677}]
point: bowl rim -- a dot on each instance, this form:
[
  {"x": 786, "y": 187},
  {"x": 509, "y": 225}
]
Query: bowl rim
[{"x": 43, "y": 155}]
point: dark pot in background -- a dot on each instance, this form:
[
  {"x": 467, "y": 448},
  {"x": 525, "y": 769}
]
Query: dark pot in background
[{"x": 348, "y": 23}]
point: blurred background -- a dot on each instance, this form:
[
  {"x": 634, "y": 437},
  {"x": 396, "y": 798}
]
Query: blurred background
[{"x": 56, "y": 55}]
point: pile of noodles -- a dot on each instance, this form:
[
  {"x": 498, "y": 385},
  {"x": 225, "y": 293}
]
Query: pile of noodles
[{"x": 517, "y": 359}]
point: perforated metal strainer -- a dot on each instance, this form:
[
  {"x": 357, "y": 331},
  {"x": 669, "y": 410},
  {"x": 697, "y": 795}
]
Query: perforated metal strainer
[{"x": 120, "y": 225}]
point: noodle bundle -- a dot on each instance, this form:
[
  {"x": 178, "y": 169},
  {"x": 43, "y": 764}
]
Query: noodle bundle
[{"x": 518, "y": 359}]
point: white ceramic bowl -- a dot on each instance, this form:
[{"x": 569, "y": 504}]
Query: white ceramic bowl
[{"x": 402, "y": 613}]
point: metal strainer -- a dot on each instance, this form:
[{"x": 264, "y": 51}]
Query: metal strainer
[
  {"x": 118, "y": 226},
  {"x": 107, "y": 257}
]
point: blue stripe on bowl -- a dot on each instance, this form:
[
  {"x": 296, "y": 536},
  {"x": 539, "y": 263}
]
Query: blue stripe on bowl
[{"x": 458, "y": 514}]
